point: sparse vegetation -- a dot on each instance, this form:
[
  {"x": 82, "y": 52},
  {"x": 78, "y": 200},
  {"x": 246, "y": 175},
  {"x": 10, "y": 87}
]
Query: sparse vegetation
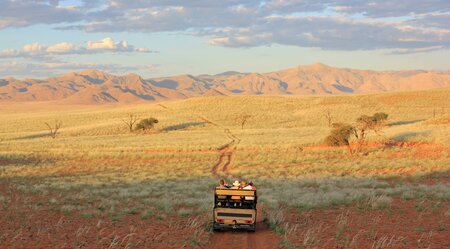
[
  {"x": 365, "y": 123},
  {"x": 342, "y": 132},
  {"x": 340, "y": 136},
  {"x": 243, "y": 119},
  {"x": 97, "y": 168},
  {"x": 146, "y": 124},
  {"x": 54, "y": 129},
  {"x": 130, "y": 121},
  {"x": 329, "y": 118}
]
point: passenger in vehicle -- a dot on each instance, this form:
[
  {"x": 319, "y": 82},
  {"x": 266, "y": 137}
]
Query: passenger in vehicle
[
  {"x": 236, "y": 185},
  {"x": 243, "y": 184},
  {"x": 247, "y": 186},
  {"x": 250, "y": 187},
  {"x": 223, "y": 184}
]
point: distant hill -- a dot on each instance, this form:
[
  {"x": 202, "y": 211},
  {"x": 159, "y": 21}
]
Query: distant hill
[{"x": 96, "y": 87}]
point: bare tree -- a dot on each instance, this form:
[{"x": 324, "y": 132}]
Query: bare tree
[
  {"x": 130, "y": 121},
  {"x": 54, "y": 130},
  {"x": 243, "y": 119},
  {"x": 328, "y": 117}
]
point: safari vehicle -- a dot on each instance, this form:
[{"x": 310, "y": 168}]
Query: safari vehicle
[{"x": 234, "y": 209}]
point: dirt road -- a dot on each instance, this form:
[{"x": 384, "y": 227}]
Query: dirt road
[
  {"x": 225, "y": 157},
  {"x": 263, "y": 238}
]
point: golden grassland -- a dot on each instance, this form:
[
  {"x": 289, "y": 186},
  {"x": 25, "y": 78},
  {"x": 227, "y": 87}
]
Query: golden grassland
[{"x": 95, "y": 166}]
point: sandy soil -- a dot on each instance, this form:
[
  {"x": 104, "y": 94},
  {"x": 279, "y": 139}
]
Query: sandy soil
[
  {"x": 25, "y": 226},
  {"x": 406, "y": 224},
  {"x": 263, "y": 238}
]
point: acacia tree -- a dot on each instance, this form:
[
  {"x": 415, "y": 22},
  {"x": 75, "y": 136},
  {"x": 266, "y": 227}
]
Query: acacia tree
[
  {"x": 54, "y": 130},
  {"x": 341, "y": 133},
  {"x": 365, "y": 123},
  {"x": 146, "y": 124},
  {"x": 130, "y": 121},
  {"x": 340, "y": 136}
]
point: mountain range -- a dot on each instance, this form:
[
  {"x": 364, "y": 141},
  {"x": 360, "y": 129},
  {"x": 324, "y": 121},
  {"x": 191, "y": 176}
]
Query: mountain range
[{"x": 96, "y": 87}]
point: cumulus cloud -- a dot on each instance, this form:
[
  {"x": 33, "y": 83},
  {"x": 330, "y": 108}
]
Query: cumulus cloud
[
  {"x": 62, "y": 48},
  {"x": 326, "y": 24},
  {"x": 42, "y": 51},
  {"x": 108, "y": 44}
]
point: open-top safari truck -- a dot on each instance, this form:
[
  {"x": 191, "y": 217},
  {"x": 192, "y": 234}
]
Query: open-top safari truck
[{"x": 234, "y": 209}]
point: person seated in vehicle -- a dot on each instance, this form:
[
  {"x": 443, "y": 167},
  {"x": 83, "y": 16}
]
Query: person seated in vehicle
[
  {"x": 223, "y": 184},
  {"x": 243, "y": 184},
  {"x": 249, "y": 187},
  {"x": 236, "y": 185}
]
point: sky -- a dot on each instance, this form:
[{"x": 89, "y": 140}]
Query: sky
[{"x": 153, "y": 38}]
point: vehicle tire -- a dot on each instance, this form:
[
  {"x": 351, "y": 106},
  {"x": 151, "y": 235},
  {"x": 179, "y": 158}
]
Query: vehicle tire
[{"x": 216, "y": 229}]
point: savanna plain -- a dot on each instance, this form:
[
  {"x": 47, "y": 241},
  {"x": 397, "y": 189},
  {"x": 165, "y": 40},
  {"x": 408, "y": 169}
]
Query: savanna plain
[{"x": 98, "y": 185}]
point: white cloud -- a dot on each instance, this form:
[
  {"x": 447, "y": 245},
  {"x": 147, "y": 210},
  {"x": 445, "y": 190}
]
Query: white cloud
[
  {"x": 33, "y": 48},
  {"x": 42, "y": 51},
  {"x": 62, "y": 48},
  {"x": 106, "y": 43},
  {"x": 326, "y": 24}
]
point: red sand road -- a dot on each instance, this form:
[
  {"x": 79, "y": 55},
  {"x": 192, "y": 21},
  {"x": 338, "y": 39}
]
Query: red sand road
[{"x": 263, "y": 238}]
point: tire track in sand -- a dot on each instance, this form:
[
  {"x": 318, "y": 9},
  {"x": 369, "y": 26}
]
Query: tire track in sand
[
  {"x": 226, "y": 152},
  {"x": 263, "y": 237}
]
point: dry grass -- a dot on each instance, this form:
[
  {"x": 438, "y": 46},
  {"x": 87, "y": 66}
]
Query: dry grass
[{"x": 96, "y": 166}]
